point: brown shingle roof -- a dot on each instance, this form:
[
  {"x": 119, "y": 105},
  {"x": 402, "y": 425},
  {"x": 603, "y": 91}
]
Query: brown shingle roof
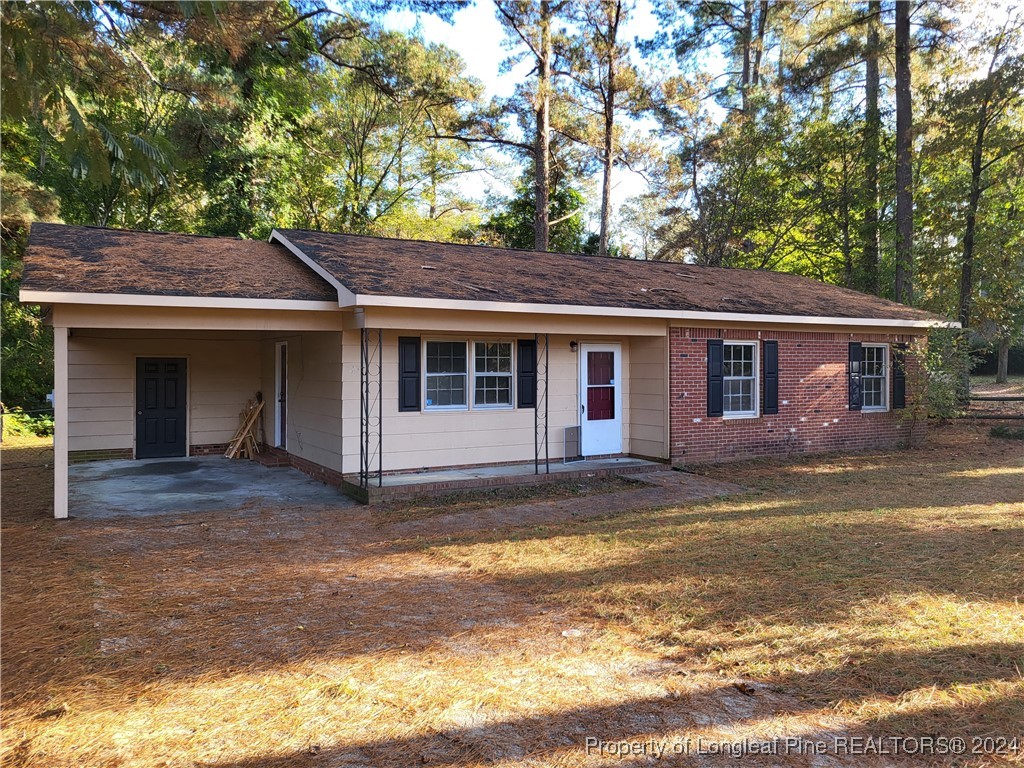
[
  {"x": 386, "y": 267},
  {"x": 98, "y": 260}
]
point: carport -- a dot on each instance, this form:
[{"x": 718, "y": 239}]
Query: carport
[{"x": 199, "y": 484}]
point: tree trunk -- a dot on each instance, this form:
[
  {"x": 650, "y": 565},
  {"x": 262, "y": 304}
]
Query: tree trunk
[
  {"x": 872, "y": 131},
  {"x": 747, "y": 38},
  {"x": 847, "y": 248},
  {"x": 609, "y": 131},
  {"x": 973, "y": 199},
  {"x": 762, "y": 23},
  {"x": 1003, "y": 366},
  {"x": 904, "y": 161},
  {"x": 606, "y": 184},
  {"x": 542, "y": 144}
]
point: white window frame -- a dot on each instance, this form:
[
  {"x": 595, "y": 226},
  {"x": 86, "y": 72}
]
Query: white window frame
[
  {"x": 756, "y": 391},
  {"x": 511, "y": 377},
  {"x": 884, "y": 377},
  {"x": 468, "y": 374}
]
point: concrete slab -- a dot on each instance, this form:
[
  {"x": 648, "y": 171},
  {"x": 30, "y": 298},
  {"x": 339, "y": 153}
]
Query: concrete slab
[{"x": 106, "y": 489}]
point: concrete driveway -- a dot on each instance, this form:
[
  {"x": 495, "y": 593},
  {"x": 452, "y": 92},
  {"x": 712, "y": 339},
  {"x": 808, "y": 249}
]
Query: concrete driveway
[{"x": 106, "y": 489}]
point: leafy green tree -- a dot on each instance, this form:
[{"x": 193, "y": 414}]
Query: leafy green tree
[
  {"x": 374, "y": 164},
  {"x": 514, "y": 225},
  {"x": 597, "y": 62},
  {"x": 26, "y": 365},
  {"x": 971, "y": 188}
]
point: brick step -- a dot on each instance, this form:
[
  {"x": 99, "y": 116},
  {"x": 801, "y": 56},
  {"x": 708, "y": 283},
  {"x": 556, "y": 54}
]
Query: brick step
[
  {"x": 273, "y": 457},
  {"x": 432, "y": 485}
]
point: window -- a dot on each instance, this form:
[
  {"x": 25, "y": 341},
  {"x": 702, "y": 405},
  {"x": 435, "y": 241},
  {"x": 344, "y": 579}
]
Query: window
[
  {"x": 446, "y": 375},
  {"x": 739, "y": 379},
  {"x": 874, "y": 378},
  {"x": 492, "y": 374}
]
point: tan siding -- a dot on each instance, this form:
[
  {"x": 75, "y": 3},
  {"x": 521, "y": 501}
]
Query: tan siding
[
  {"x": 522, "y": 323},
  {"x": 648, "y": 416},
  {"x": 186, "y": 320},
  {"x": 225, "y": 368},
  {"x": 314, "y": 394},
  {"x": 223, "y": 371},
  {"x": 476, "y": 436}
]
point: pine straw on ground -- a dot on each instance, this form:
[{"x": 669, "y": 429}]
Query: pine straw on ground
[
  {"x": 872, "y": 594},
  {"x": 426, "y": 507},
  {"x": 882, "y": 587}
]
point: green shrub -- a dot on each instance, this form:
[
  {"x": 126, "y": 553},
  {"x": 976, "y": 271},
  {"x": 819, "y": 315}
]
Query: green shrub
[
  {"x": 17, "y": 422},
  {"x": 938, "y": 381},
  {"x": 1006, "y": 432}
]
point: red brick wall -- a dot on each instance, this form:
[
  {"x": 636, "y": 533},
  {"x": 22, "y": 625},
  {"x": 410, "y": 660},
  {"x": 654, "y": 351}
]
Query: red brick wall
[
  {"x": 813, "y": 413},
  {"x": 99, "y": 454},
  {"x": 209, "y": 449},
  {"x": 325, "y": 475}
]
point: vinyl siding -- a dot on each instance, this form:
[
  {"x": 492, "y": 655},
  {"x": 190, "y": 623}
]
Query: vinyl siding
[
  {"x": 417, "y": 440},
  {"x": 223, "y": 371},
  {"x": 648, "y": 382},
  {"x": 314, "y": 395}
]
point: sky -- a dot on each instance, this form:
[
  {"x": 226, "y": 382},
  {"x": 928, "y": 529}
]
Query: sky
[{"x": 478, "y": 37}]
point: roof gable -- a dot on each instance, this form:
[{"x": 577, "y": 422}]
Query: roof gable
[{"x": 63, "y": 258}]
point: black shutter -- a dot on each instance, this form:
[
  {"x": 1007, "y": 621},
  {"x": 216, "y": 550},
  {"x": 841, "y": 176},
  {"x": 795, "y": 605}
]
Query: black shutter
[
  {"x": 716, "y": 392},
  {"x": 899, "y": 376},
  {"x": 856, "y": 360},
  {"x": 408, "y": 373},
  {"x": 526, "y": 374},
  {"x": 770, "y": 366}
]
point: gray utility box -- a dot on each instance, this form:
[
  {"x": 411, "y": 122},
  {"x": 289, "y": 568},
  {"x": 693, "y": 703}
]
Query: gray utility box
[{"x": 571, "y": 445}]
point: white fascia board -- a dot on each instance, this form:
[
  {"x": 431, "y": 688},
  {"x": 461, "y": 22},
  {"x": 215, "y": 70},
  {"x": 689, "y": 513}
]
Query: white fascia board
[
  {"x": 345, "y": 297},
  {"x": 142, "y": 300},
  {"x": 666, "y": 314}
]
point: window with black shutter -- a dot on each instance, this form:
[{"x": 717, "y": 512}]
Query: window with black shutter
[
  {"x": 716, "y": 393},
  {"x": 856, "y": 357},
  {"x": 526, "y": 374},
  {"x": 770, "y": 366},
  {"x": 408, "y": 373}
]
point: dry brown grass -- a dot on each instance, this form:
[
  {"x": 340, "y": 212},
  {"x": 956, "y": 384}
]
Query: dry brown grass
[
  {"x": 877, "y": 593},
  {"x": 885, "y": 588},
  {"x": 426, "y": 507}
]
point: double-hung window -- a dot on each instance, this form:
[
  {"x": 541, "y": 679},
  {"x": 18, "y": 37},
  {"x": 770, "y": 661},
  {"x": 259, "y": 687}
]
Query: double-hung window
[
  {"x": 874, "y": 377},
  {"x": 739, "y": 379},
  {"x": 492, "y": 374},
  {"x": 447, "y": 374}
]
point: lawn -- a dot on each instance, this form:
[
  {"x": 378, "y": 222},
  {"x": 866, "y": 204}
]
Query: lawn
[
  {"x": 873, "y": 594},
  {"x": 986, "y": 385}
]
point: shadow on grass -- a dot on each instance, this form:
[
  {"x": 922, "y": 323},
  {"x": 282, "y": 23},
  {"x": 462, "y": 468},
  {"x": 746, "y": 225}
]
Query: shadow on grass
[
  {"x": 215, "y": 594},
  {"x": 540, "y": 738},
  {"x": 571, "y": 736}
]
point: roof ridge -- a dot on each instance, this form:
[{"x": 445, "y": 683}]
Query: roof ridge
[
  {"x": 583, "y": 256},
  {"x": 145, "y": 231},
  {"x": 587, "y": 256}
]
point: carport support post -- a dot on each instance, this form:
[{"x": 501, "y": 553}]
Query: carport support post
[{"x": 60, "y": 423}]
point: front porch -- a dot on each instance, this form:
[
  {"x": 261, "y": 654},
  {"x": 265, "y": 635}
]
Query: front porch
[{"x": 407, "y": 485}]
